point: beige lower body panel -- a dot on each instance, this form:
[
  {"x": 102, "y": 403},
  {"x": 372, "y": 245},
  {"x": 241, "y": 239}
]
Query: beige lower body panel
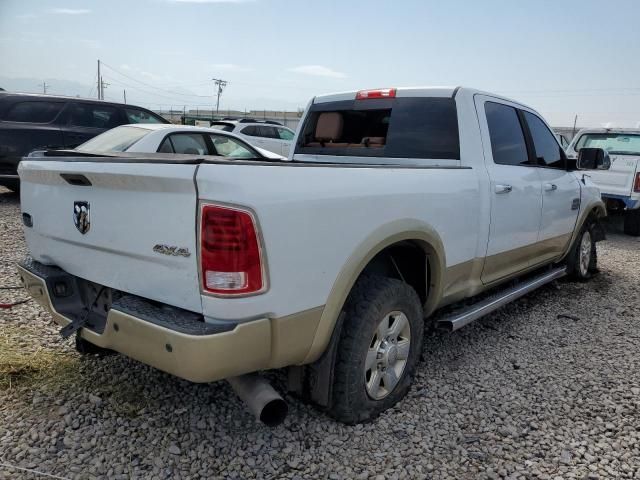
[
  {"x": 255, "y": 345},
  {"x": 474, "y": 276},
  {"x": 504, "y": 264}
]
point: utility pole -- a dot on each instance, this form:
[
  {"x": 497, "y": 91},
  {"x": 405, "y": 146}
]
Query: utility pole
[
  {"x": 44, "y": 86},
  {"x": 103, "y": 85},
  {"x": 575, "y": 120},
  {"x": 124, "y": 95},
  {"x": 99, "y": 82},
  {"x": 220, "y": 84}
]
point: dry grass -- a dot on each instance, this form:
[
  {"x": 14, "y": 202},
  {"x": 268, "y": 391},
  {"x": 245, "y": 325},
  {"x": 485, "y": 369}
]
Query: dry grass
[{"x": 22, "y": 363}]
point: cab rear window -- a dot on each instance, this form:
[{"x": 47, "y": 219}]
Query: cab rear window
[{"x": 413, "y": 127}]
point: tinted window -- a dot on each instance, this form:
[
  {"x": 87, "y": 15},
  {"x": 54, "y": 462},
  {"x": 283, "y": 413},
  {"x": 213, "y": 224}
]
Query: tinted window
[
  {"x": 401, "y": 128},
  {"x": 115, "y": 140},
  {"x": 232, "y": 148},
  {"x": 548, "y": 152},
  {"x": 424, "y": 128},
  {"x": 34, "y": 112},
  {"x": 285, "y": 134},
  {"x": 192, "y": 143},
  {"x": 268, "y": 132},
  {"x": 507, "y": 139},
  {"x": 135, "y": 115},
  {"x": 252, "y": 131},
  {"x": 166, "y": 146},
  {"x": 94, "y": 116}
]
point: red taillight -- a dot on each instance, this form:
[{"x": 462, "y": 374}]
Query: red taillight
[
  {"x": 636, "y": 184},
  {"x": 378, "y": 93},
  {"x": 230, "y": 254}
]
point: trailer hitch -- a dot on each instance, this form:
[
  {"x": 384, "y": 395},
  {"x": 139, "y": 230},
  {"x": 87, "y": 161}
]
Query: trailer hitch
[{"x": 80, "y": 322}]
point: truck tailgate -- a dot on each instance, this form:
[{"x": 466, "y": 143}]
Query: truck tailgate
[
  {"x": 136, "y": 213},
  {"x": 618, "y": 180}
]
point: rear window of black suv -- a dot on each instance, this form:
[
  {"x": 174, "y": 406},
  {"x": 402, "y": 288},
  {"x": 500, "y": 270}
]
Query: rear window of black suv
[{"x": 404, "y": 127}]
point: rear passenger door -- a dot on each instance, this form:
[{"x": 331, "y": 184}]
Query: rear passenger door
[
  {"x": 263, "y": 136},
  {"x": 516, "y": 198},
  {"x": 86, "y": 120},
  {"x": 560, "y": 190}
]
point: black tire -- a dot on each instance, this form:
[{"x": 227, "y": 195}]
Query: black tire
[
  {"x": 372, "y": 299},
  {"x": 84, "y": 347},
  {"x": 632, "y": 223},
  {"x": 575, "y": 269}
]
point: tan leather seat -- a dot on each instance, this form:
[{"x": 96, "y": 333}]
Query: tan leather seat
[{"x": 328, "y": 130}]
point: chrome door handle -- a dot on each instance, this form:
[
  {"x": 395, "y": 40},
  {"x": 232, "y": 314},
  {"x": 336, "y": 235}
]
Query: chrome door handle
[
  {"x": 550, "y": 187},
  {"x": 503, "y": 188}
]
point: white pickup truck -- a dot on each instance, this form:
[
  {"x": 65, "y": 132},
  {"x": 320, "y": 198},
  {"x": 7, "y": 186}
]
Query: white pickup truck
[
  {"x": 398, "y": 208},
  {"x": 620, "y": 185}
]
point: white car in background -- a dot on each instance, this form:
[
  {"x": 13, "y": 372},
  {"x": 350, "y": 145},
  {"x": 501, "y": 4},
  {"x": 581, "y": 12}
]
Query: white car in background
[
  {"x": 167, "y": 138},
  {"x": 267, "y": 134}
]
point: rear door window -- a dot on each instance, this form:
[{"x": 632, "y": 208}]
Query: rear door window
[
  {"x": 33, "y": 112},
  {"x": 251, "y": 131},
  {"x": 268, "y": 132},
  {"x": 507, "y": 137},
  {"x": 190, "y": 143},
  {"x": 548, "y": 151},
  {"x": 94, "y": 116},
  {"x": 411, "y": 127},
  {"x": 136, "y": 115},
  {"x": 231, "y": 147}
]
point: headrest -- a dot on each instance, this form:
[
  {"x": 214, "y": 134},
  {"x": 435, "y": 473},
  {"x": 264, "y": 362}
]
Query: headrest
[{"x": 329, "y": 126}]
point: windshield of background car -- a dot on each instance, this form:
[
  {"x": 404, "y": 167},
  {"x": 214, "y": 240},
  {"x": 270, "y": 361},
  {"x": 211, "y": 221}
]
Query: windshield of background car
[
  {"x": 620, "y": 143},
  {"x": 118, "y": 139},
  {"x": 405, "y": 127}
]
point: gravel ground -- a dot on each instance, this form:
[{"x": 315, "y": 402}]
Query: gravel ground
[{"x": 548, "y": 388}]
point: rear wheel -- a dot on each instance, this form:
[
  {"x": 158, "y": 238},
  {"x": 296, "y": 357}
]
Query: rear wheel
[
  {"x": 378, "y": 350},
  {"x": 583, "y": 259},
  {"x": 632, "y": 222}
]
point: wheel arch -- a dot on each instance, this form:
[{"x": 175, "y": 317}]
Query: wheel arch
[
  {"x": 594, "y": 210},
  {"x": 398, "y": 233}
]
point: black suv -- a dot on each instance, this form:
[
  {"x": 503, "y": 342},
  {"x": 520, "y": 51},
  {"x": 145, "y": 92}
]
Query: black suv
[{"x": 33, "y": 122}]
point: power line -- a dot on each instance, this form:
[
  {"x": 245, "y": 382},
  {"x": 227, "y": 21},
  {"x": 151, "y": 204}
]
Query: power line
[{"x": 154, "y": 86}]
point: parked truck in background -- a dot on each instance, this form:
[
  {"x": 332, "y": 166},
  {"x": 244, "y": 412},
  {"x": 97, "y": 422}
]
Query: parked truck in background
[
  {"x": 620, "y": 185},
  {"x": 394, "y": 204}
]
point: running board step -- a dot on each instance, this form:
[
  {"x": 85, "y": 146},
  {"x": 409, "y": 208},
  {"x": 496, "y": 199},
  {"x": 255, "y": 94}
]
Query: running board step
[{"x": 473, "y": 312}]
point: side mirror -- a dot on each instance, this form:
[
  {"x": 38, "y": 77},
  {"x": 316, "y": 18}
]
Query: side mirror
[{"x": 593, "y": 159}]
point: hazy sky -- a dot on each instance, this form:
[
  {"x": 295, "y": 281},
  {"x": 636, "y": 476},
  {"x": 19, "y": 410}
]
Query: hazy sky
[{"x": 560, "y": 57}]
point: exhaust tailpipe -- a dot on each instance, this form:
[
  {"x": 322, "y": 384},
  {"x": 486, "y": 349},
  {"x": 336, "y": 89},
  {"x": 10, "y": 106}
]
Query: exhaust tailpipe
[{"x": 260, "y": 398}]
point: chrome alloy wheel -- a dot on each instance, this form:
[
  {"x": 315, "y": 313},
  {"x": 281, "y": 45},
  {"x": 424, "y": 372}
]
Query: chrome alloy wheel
[
  {"x": 584, "y": 255},
  {"x": 387, "y": 355}
]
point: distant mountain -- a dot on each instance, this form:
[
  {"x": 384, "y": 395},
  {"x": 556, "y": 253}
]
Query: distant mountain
[
  {"x": 55, "y": 86},
  {"x": 147, "y": 98}
]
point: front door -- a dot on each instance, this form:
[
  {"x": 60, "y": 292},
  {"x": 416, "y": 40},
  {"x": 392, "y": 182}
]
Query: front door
[
  {"x": 516, "y": 197},
  {"x": 560, "y": 191}
]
